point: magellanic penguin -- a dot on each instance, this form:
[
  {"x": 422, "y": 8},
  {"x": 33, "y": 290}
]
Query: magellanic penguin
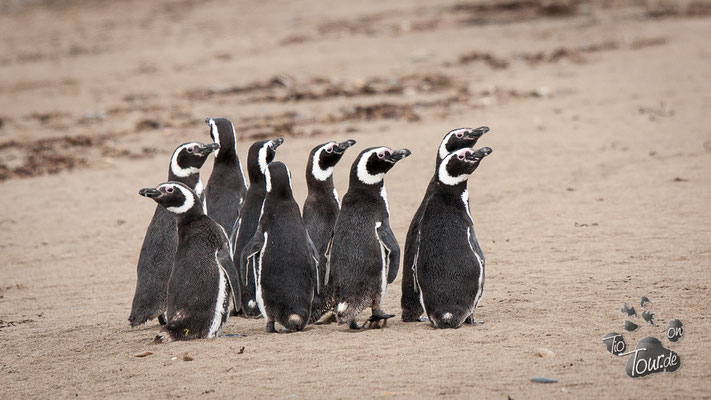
[
  {"x": 449, "y": 264},
  {"x": 282, "y": 257},
  {"x": 363, "y": 255},
  {"x": 158, "y": 251},
  {"x": 227, "y": 186},
  {"x": 199, "y": 289},
  {"x": 454, "y": 140},
  {"x": 321, "y": 207},
  {"x": 260, "y": 155}
]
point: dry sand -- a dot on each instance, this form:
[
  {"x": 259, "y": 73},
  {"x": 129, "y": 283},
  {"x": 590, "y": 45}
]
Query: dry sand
[{"x": 598, "y": 191}]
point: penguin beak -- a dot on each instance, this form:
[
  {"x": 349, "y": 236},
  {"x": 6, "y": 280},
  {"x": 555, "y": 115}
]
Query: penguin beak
[
  {"x": 341, "y": 147},
  {"x": 479, "y": 154},
  {"x": 397, "y": 155},
  {"x": 209, "y": 148},
  {"x": 478, "y": 132},
  {"x": 151, "y": 193},
  {"x": 277, "y": 142}
]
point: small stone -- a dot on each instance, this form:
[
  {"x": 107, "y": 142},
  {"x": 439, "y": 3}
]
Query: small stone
[
  {"x": 143, "y": 354},
  {"x": 241, "y": 350},
  {"x": 543, "y": 379},
  {"x": 545, "y": 353},
  {"x": 187, "y": 357}
]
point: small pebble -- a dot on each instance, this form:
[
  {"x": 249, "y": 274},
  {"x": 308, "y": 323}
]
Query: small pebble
[
  {"x": 542, "y": 379},
  {"x": 545, "y": 353},
  {"x": 187, "y": 357},
  {"x": 144, "y": 354}
]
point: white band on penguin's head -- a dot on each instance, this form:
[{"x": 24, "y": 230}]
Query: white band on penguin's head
[
  {"x": 362, "y": 169},
  {"x": 316, "y": 171},
  {"x": 443, "y": 146},
  {"x": 177, "y": 169},
  {"x": 187, "y": 204},
  {"x": 262, "y": 156},
  {"x": 215, "y": 133},
  {"x": 444, "y": 176}
]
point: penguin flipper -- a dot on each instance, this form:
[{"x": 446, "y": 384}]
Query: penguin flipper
[
  {"x": 327, "y": 254},
  {"x": 314, "y": 255},
  {"x": 474, "y": 244},
  {"x": 250, "y": 253},
  {"x": 224, "y": 259},
  {"x": 233, "y": 235},
  {"x": 387, "y": 238}
]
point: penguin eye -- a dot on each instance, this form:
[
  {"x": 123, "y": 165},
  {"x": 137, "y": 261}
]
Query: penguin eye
[
  {"x": 460, "y": 156},
  {"x": 329, "y": 150},
  {"x": 169, "y": 189},
  {"x": 460, "y": 135},
  {"x": 190, "y": 149},
  {"x": 381, "y": 155}
]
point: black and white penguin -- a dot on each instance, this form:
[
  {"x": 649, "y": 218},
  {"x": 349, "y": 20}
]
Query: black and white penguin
[
  {"x": 227, "y": 186},
  {"x": 322, "y": 206},
  {"x": 449, "y": 264},
  {"x": 158, "y": 251},
  {"x": 363, "y": 255},
  {"x": 282, "y": 257},
  {"x": 199, "y": 289},
  {"x": 260, "y": 155},
  {"x": 454, "y": 140}
]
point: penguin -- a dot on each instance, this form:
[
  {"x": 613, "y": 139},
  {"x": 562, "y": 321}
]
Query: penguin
[
  {"x": 363, "y": 255},
  {"x": 448, "y": 262},
  {"x": 260, "y": 155},
  {"x": 321, "y": 207},
  {"x": 158, "y": 251},
  {"x": 199, "y": 289},
  {"x": 282, "y": 257},
  {"x": 454, "y": 140},
  {"x": 227, "y": 186}
]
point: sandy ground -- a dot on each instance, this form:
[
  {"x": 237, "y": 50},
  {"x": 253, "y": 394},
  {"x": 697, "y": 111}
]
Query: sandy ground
[{"x": 598, "y": 191}]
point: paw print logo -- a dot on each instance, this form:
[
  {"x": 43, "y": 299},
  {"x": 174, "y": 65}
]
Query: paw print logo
[{"x": 649, "y": 355}]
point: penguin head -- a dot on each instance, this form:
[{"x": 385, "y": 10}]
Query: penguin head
[
  {"x": 459, "y": 164},
  {"x": 175, "y": 197},
  {"x": 222, "y": 132},
  {"x": 188, "y": 158},
  {"x": 459, "y": 139},
  {"x": 372, "y": 164},
  {"x": 260, "y": 155},
  {"x": 325, "y": 156},
  {"x": 278, "y": 179}
]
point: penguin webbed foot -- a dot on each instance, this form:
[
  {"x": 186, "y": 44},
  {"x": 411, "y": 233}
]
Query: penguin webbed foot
[
  {"x": 327, "y": 318},
  {"x": 378, "y": 315},
  {"x": 354, "y": 325},
  {"x": 270, "y": 327},
  {"x": 471, "y": 321}
]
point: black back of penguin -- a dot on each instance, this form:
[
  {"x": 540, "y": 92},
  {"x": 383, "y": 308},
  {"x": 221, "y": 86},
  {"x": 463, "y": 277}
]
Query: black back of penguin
[
  {"x": 321, "y": 206},
  {"x": 364, "y": 255},
  {"x": 157, "y": 254},
  {"x": 454, "y": 140},
  {"x": 227, "y": 185},
  {"x": 260, "y": 155},
  {"x": 199, "y": 290},
  {"x": 449, "y": 267},
  {"x": 282, "y": 256}
]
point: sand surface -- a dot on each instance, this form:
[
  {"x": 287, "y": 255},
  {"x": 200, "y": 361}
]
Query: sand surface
[{"x": 598, "y": 190}]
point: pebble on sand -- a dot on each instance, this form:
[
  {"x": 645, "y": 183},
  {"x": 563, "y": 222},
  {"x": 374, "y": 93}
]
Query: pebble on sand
[
  {"x": 545, "y": 353},
  {"x": 143, "y": 354},
  {"x": 543, "y": 379}
]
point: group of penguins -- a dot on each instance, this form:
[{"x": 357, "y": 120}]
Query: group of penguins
[{"x": 246, "y": 249}]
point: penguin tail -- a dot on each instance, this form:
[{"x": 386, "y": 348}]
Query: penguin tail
[
  {"x": 295, "y": 323},
  {"x": 447, "y": 320},
  {"x": 347, "y": 312}
]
